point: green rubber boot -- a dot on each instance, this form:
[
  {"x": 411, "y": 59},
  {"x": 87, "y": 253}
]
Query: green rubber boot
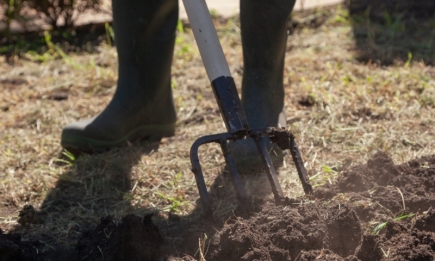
[
  {"x": 142, "y": 106},
  {"x": 264, "y": 38}
]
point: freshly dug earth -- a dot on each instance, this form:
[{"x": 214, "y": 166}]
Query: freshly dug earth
[
  {"x": 133, "y": 238},
  {"x": 338, "y": 224}
]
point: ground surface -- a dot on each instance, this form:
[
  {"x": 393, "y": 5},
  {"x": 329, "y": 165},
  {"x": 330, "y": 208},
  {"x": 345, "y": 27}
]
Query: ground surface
[
  {"x": 355, "y": 85},
  {"x": 397, "y": 200}
]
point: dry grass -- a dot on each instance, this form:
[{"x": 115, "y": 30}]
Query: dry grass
[{"x": 355, "y": 108}]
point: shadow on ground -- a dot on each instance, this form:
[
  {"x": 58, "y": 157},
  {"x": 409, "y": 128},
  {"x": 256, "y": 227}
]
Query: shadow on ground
[
  {"x": 393, "y": 31},
  {"x": 97, "y": 189},
  {"x": 94, "y": 187}
]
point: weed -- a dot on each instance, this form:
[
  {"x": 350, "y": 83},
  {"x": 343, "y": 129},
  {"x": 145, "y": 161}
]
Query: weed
[
  {"x": 180, "y": 27},
  {"x": 110, "y": 34},
  {"x": 341, "y": 17},
  {"x": 202, "y": 250},
  {"x": 381, "y": 226},
  {"x": 386, "y": 254},
  {"x": 408, "y": 62},
  {"x": 185, "y": 50},
  {"x": 42, "y": 58},
  {"x": 174, "y": 203},
  {"x": 214, "y": 13},
  {"x": 328, "y": 170},
  {"x": 175, "y": 180},
  {"x": 69, "y": 155},
  {"x": 54, "y": 48},
  {"x": 395, "y": 25},
  {"x": 327, "y": 175},
  {"x": 101, "y": 252},
  {"x": 70, "y": 158}
]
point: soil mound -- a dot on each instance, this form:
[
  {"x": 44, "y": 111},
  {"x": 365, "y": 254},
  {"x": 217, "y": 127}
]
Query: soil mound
[
  {"x": 131, "y": 239},
  {"x": 282, "y": 232},
  {"x": 401, "y": 241},
  {"x": 409, "y": 187},
  {"x": 339, "y": 224}
]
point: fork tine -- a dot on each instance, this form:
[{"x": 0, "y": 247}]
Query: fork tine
[{"x": 270, "y": 169}]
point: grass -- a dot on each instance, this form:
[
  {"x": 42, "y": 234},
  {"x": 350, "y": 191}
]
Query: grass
[
  {"x": 355, "y": 107},
  {"x": 382, "y": 225}
]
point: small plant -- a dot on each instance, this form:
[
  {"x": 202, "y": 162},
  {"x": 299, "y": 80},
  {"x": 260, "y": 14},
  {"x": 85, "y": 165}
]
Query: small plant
[
  {"x": 329, "y": 170},
  {"x": 175, "y": 180},
  {"x": 180, "y": 27},
  {"x": 395, "y": 25},
  {"x": 53, "y": 52},
  {"x": 408, "y": 62},
  {"x": 71, "y": 158},
  {"x": 202, "y": 250},
  {"x": 386, "y": 254},
  {"x": 185, "y": 47},
  {"x": 381, "y": 226},
  {"x": 69, "y": 155},
  {"x": 110, "y": 34},
  {"x": 230, "y": 26},
  {"x": 214, "y": 13},
  {"x": 185, "y": 50},
  {"x": 340, "y": 17},
  {"x": 174, "y": 203},
  {"x": 53, "y": 47}
]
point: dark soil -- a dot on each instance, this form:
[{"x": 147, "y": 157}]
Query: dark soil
[
  {"x": 133, "y": 238},
  {"x": 337, "y": 225}
]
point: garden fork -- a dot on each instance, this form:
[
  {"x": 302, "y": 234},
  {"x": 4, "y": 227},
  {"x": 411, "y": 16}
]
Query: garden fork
[{"x": 233, "y": 114}]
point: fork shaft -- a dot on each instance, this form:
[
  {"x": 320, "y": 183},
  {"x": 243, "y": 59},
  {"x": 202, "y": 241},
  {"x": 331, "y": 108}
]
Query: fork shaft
[{"x": 230, "y": 106}]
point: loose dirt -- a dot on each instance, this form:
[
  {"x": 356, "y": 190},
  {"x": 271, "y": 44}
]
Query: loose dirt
[{"x": 338, "y": 223}]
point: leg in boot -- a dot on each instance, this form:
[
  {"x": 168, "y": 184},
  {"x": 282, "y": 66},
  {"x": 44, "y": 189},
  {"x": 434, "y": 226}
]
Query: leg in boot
[
  {"x": 142, "y": 105},
  {"x": 264, "y": 37}
]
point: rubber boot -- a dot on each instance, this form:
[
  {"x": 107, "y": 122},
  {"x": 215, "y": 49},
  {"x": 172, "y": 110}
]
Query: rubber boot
[
  {"x": 264, "y": 38},
  {"x": 142, "y": 106}
]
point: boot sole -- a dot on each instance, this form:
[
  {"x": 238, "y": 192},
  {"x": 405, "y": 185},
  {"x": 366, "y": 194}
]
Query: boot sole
[{"x": 77, "y": 143}]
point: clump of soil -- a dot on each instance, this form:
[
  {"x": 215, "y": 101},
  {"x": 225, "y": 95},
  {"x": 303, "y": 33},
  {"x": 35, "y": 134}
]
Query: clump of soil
[
  {"x": 28, "y": 215},
  {"x": 130, "y": 239},
  {"x": 133, "y": 239}
]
